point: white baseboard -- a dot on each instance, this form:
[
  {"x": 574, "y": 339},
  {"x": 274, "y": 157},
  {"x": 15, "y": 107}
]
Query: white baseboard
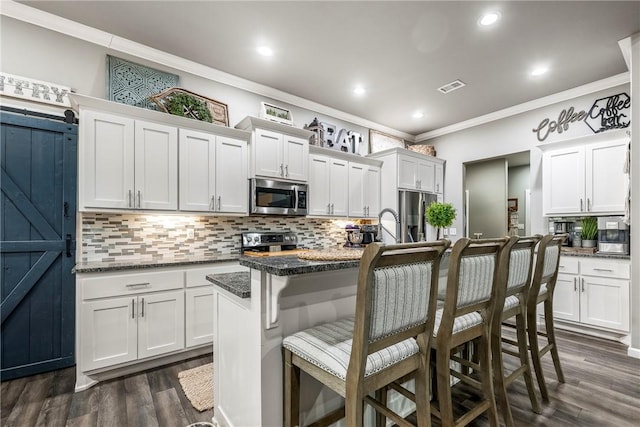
[{"x": 633, "y": 352}]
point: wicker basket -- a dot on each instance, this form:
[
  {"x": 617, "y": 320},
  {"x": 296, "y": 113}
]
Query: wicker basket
[{"x": 428, "y": 150}]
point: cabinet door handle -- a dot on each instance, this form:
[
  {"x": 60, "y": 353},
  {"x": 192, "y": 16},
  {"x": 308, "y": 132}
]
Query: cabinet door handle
[
  {"x": 604, "y": 269},
  {"x": 332, "y": 210},
  {"x": 588, "y": 204},
  {"x": 219, "y": 202},
  {"x": 139, "y": 199},
  {"x": 142, "y": 313},
  {"x": 581, "y": 205},
  {"x": 575, "y": 285},
  {"x": 328, "y": 208},
  {"x": 212, "y": 203},
  {"x": 67, "y": 244},
  {"x": 582, "y": 284},
  {"x": 133, "y": 308},
  {"x": 138, "y": 285},
  {"x": 129, "y": 202},
  {"x": 286, "y": 171},
  {"x": 281, "y": 169}
]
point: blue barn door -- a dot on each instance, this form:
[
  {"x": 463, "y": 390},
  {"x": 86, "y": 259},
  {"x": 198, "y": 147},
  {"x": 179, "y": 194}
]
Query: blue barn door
[{"x": 37, "y": 240}]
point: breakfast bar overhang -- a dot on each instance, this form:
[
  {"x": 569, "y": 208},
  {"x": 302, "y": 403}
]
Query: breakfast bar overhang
[{"x": 287, "y": 294}]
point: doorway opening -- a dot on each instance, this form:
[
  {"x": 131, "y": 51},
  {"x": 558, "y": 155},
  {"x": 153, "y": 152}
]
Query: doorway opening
[{"x": 497, "y": 196}]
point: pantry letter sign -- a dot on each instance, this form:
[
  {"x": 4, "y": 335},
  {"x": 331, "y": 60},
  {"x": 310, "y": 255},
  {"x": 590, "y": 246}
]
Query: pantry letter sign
[{"x": 34, "y": 90}]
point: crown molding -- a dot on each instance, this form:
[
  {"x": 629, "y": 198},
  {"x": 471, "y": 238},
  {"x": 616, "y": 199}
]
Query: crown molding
[
  {"x": 625, "y": 47},
  {"x": 568, "y": 94},
  {"x": 73, "y": 29}
]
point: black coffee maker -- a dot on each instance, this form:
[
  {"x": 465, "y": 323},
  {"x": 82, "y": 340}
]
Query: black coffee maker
[
  {"x": 564, "y": 227},
  {"x": 368, "y": 233}
]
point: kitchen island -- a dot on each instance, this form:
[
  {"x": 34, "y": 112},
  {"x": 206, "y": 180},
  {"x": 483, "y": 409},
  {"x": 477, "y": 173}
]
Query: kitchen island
[{"x": 287, "y": 294}]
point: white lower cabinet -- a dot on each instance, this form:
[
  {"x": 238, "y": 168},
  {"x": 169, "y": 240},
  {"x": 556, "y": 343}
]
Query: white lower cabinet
[
  {"x": 593, "y": 292},
  {"x": 118, "y": 330},
  {"x": 125, "y": 318}
]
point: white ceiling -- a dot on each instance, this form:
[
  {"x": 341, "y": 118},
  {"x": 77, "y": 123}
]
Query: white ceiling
[{"x": 401, "y": 52}]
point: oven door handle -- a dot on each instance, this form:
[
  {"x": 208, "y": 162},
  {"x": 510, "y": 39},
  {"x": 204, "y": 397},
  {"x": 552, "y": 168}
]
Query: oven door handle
[{"x": 295, "y": 189}]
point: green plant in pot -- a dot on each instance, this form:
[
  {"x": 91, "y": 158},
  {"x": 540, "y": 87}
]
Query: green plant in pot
[
  {"x": 589, "y": 231},
  {"x": 440, "y": 215}
]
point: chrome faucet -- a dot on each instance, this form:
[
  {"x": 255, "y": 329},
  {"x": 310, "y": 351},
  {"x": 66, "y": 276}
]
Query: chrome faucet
[{"x": 381, "y": 227}]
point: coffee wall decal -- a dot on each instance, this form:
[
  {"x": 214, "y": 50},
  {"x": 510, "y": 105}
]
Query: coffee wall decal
[
  {"x": 612, "y": 112},
  {"x": 565, "y": 118},
  {"x": 608, "y": 113}
]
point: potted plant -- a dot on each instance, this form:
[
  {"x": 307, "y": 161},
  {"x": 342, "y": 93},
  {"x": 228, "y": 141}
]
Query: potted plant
[
  {"x": 440, "y": 215},
  {"x": 589, "y": 231}
]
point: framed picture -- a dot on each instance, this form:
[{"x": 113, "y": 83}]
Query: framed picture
[
  {"x": 182, "y": 102},
  {"x": 512, "y": 205},
  {"x": 276, "y": 114},
  {"x": 379, "y": 141}
]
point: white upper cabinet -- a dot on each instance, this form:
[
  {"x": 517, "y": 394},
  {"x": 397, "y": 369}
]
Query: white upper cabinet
[
  {"x": 156, "y": 166},
  {"x": 584, "y": 178},
  {"x": 127, "y": 163},
  {"x": 106, "y": 171},
  {"x": 129, "y": 160},
  {"x": 328, "y": 186},
  {"x": 277, "y": 151},
  {"x": 605, "y": 178},
  {"x": 364, "y": 190},
  {"x": 418, "y": 173},
  {"x": 439, "y": 179},
  {"x": 213, "y": 173}
]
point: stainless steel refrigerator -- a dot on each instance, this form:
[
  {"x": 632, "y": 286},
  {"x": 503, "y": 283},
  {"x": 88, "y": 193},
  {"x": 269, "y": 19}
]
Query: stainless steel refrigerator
[{"x": 412, "y": 206}]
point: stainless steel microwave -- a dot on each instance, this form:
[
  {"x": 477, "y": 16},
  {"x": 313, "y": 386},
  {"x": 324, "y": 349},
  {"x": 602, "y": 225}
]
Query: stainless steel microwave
[{"x": 271, "y": 197}]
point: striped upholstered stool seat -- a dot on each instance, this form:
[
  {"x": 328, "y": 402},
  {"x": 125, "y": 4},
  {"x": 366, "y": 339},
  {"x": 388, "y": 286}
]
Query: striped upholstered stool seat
[
  {"x": 460, "y": 323},
  {"x": 328, "y": 346},
  {"x": 387, "y": 339},
  {"x": 513, "y": 300}
]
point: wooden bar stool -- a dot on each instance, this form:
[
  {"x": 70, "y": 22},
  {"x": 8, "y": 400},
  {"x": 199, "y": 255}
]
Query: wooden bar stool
[
  {"x": 476, "y": 270},
  {"x": 389, "y": 338},
  {"x": 542, "y": 287},
  {"x": 520, "y": 267}
]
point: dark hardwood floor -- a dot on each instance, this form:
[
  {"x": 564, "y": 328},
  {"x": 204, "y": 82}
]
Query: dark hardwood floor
[
  {"x": 602, "y": 389},
  {"x": 151, "y": 398}
]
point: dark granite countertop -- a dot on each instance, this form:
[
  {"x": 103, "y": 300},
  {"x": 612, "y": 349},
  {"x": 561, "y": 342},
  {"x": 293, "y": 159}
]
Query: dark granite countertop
[
  {"x": 238, "y": 283},
  {"x": 596, "y": 255},
  {"x": 290, "y": 265},
  {"x": 116, "y": 265}
]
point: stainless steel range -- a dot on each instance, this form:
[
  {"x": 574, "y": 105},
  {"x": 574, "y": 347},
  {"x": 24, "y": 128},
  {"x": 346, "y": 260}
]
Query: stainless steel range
[{"x": 268, "y": 241}]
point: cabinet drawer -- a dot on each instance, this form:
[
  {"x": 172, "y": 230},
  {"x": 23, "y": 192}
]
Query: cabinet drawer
[
  {"x": 606, "y": 268},
  {"x": 108, "y": 285},
  {"x": 569, "y": 265}
]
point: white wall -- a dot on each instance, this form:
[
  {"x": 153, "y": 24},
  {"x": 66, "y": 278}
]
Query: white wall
[
  {"x": 507, "y": 136},
  {"x": 634, "y": 349},
  {"x": 518, "y": 184},
  {"x": 38, "y": 53}
]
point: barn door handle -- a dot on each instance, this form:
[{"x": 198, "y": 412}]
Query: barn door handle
[
  {"x": 67, "y": 242},
  {"x": 65, "y": 208}
]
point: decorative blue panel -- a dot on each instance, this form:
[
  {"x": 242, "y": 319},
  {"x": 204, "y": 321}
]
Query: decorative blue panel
[{"x": 133, "y": 84}]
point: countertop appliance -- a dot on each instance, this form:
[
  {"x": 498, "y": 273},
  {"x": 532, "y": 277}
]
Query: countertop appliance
[
  {"x": 271, "y": 197},
  {"x": 412, "y": 207},
  {"x": 268, "y": 241},
  {"x": 613, "y": 235},
  {"x": 564, "y": 227}
]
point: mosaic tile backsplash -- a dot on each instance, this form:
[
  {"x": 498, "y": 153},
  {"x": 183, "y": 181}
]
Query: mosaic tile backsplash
[{"x": 111, "y": 237}]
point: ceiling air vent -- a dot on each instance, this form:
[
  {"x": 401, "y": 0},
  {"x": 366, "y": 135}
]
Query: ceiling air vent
[{"x": 450, "y": 87}]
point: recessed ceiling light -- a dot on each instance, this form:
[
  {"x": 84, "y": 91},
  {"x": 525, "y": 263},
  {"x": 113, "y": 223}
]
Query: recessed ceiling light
[
  {"x": 358, "y": 90},
  {"x": 489, "y": 19},
  {"x": 538, "y": 71},
  {"x": 265, "y": 50},
  {"x": 418, "y": 115}
]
